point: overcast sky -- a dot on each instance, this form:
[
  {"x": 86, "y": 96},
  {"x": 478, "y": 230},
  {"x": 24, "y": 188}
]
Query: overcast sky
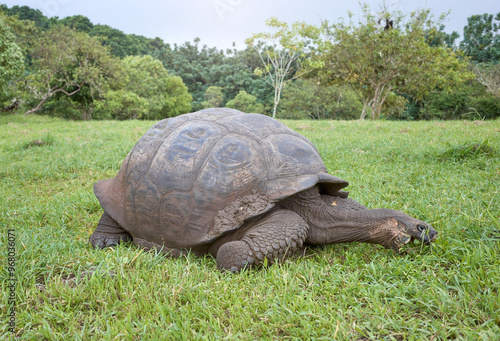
[{"x": 221, "y": 22}]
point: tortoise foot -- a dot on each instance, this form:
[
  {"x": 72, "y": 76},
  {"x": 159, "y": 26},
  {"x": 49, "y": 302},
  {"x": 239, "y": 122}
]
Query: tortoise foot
[
  {"x": 108, "y": 233},
  {"x": 100, "y": 240}
]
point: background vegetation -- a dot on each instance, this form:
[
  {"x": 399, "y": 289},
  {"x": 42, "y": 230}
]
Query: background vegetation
[
  {"x": 377, "y": 67},
  {"x": 445, "y": 173}
]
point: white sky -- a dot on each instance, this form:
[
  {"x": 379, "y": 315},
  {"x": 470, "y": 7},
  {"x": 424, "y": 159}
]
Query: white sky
[{"x": 221, "y": 22}]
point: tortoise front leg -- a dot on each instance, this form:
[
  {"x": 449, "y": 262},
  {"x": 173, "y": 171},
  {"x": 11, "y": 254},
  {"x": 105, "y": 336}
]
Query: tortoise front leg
[
  {"x": 276, "y": 235},
  {"x": 108, "y": 233}
]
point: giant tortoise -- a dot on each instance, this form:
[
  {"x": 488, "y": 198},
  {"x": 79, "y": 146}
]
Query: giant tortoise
[{"x": 242, "y": 187}]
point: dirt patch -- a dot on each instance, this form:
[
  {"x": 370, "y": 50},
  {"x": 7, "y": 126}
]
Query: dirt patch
[
  {"x": 37, "y": 143},
  {"x": 45, "y": 141}
]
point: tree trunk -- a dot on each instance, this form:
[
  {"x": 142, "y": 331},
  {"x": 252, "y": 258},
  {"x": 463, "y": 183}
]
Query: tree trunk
[
  {"x": 50, "y": 93},
  {"x": 86, "y": 115},
  {"x": 277, "y": 96},
  {"x": 274, "y": 109},
  {"x": 366, "y": 104},
  {"x": 379, "y": 101},
  {"x": 35, "y": 109}
]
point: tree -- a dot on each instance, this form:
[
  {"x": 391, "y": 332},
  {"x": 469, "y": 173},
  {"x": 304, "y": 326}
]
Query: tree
[
  {"x": 245, "y": 102},
  {"x": 197, "y": 67},
  {"x": 11, "y": 59},
  {"x": 78, "y": 22},
  {"x": 488, "y": 74},
  {"x": 440, "y": 37},
  {"x": 213, "y": 97},
  {"x": 166, "y": 94},
  {"x": 25, "y": 13},
  {"x": 481, "y": 39},
  {"x": 280, "y": 53},
  {"x": 304, "y": 98},
  {"x": 377, "y": 59},
  {"x": 236, "y": 73},
  {"x": 69, "y": 62},
  {"x": 26, "y": 34},
  {"x": 122, "y": 104}
]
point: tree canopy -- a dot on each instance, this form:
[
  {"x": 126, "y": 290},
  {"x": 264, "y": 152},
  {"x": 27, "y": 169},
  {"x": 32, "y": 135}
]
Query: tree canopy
[
  {"x": 385, "y": 53},
  {"x": 69, "y": 62},
  {"x": 245, "y": 102},
  {"x": 11, "y": 59},
  {"x": 280, "y": 52},
  {"x": 387, "y": 64},
  {"x": 481, "y": 39}
]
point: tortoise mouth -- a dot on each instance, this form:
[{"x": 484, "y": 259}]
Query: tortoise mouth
[{"x": 426, "y": 240}]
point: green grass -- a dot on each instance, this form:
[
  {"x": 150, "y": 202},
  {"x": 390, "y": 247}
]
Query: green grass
[{"x": 445, "y": 173}]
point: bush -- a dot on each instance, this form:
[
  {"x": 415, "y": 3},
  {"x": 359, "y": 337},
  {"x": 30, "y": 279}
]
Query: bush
[
  {"x": 487, "y": 106},
  {"x": 305, "y": 99},
  {"x": 121, "y": 105},
  {"x": 470, "y": 101},
  {"x": 245, "y": 102}
]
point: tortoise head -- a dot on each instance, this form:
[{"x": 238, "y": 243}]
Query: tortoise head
[{"x": 418, "y": 230}]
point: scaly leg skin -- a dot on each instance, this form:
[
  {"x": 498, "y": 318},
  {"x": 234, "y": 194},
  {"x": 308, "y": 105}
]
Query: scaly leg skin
[
  {"x": 108, "y": 233},
  {"x": 273, "y": 237},
  {"x": 333, "y": 219}
]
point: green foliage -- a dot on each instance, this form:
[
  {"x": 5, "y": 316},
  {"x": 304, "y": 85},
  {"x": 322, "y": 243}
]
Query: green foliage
[
  {"x": 484, "y": 107},
  {"x": 196, "y": 67},
  {"x": 26, "y": 34},
  {"x": 481, "y": 39},
  {"x": 438, "y": 37},
  {"x": 121, "y": 104},
  {"x": 246, "y": 103},
  {"x": 237, "y": 73},
  {"x": 469, "y": 101},
  {"x": 410, "y": 62},
  {"x": 11, "y": 60},
  {"x": 306, "y": 99},
  {"x": 281, "y": 52},
  {"x": 121, "y": 44},
  {"x": 166, "y": 94},
  {"x": 66, "y": 290},
  {"x": 59, "y": 106},
  {"x": 213, "y": 97},
  {"x": 488, "y": 74},
  {"x": 377, "y": 60},
  {"x": 25, "y": 13},
  {"x": 202, "y": 67},
  {"x": 72, "y": 63},
  {"x": 78, "y": 22}
]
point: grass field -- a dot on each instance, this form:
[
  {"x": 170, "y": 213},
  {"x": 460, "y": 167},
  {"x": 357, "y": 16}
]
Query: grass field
[{"x": 445, "y": 173}]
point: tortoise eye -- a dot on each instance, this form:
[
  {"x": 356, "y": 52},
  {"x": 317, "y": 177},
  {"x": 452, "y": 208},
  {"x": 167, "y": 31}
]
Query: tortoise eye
[{"x": 421, "y": 228}]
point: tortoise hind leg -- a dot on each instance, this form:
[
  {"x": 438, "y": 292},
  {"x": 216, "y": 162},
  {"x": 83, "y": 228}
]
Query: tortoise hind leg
[
  {"x": 108, "y": 233},
  {"x": 276, "y": 235}
]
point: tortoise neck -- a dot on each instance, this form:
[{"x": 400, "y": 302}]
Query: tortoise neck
[{"x": 345, "y": 221}]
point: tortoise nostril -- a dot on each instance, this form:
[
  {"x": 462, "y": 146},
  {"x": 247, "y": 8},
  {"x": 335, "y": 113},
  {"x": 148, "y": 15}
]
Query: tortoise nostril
[{"x": 421, "y": 228}]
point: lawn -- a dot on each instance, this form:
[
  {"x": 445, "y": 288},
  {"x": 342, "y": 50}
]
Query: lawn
[{"x": 445, "y": 173}]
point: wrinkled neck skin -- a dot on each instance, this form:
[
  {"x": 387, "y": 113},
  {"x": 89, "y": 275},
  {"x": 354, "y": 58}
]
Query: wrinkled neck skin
[{"x": 334, "y": 219}]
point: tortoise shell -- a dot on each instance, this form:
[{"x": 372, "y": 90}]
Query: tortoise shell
[{"x": 196, "y": 176}]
